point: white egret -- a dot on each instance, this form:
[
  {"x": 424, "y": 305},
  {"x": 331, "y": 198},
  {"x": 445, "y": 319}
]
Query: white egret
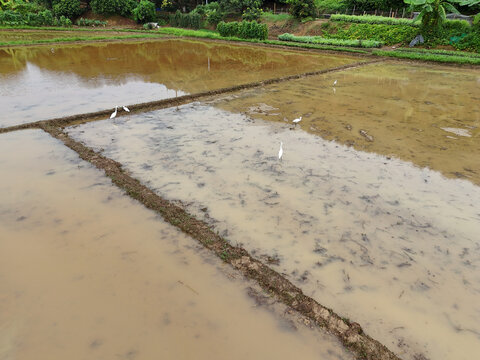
[
  {"x": 114, "y": 113},
  {"x": 335, "y": 83},
  {"x": 280, "y": 152},
  {"x": 126, "y": 109},
  {"x": 296, "y": 121}
]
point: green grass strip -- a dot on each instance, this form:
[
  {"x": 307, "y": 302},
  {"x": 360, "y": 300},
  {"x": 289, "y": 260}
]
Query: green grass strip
[
  {"x": 372, "y": 19},
  {"x": 74, "y": 38},
  {"x": 208, "y": 34},
  {"x": 429, "y": 57},
  {"x": 441, "y": 52},
  {"x": 324, "y": 41}
]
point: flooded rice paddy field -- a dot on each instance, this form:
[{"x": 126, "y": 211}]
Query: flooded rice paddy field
[
  {"x": 381, "y": 241},
  {"x": 428, "y": 115},
  {"x": 45, "y": 82},
  {"x": 87, "y": 273}
]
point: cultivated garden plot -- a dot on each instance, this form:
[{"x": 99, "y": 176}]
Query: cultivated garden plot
[
  {"x": 428, "y": 115},
  {"x": 86, "y": 272},
  {"x": 51, "y": 81},
  {"x": 380, "y": 240}
]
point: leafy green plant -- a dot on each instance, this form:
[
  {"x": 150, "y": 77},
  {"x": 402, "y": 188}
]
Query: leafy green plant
[
  {"x": 144, "y": 12},
  {"x": 67, "y": 8},
  {"x": 302, "y": 9},
  {"x": 325, "y": 41}
]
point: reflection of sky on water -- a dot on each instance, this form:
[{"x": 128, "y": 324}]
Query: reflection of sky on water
[
  {"x": 42, "y": 94},
  {"x": 383, "y": 242},
  {"x": 38, "y": 83},
  {"x": 88, "y": 273}
]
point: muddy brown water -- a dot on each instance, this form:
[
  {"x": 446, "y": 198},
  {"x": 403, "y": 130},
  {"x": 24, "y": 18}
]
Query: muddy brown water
[
  {"x": 39, "y": 83},
  {"x": 87, "y": 273},
  {"x": 428, "y": 115},
  {"x": 378, "y": 239}
]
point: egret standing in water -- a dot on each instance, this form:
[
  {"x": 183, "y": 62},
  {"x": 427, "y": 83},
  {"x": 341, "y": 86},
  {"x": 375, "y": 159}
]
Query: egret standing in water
[
  {"x": 296, "y": 121},
  {"x": 335, "y": 83},
  {"x": 126, "y": 109},
  {"x": 114, "y": 113},
  {"x": 280, "y": 152}
]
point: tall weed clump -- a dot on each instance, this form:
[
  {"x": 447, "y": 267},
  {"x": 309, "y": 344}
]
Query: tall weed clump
[
  {"x": 191, "y": 20},
  {"x": 244, "y": 30}
]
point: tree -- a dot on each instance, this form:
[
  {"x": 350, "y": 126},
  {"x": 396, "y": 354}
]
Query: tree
[
  {"x": 433, "y": 13},
  {"x": 301, "y": 9}
]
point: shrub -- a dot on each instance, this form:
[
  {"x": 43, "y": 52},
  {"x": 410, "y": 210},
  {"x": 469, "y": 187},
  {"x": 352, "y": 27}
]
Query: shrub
[
  {"x": 454, "y": 27},
  {"x": 10, "y": 17},
  {"x": 323, "y": 41},
  {"x": 67, "y": 8},
  {"x": 47, "y": 17},
  {"x": 244, "y": 29},
  {"x": 144, "y": 12},
  {"x": 62, "y": 21},
  {"x": 302, "y": 9},
  {"x": 229, "y": 29},
  {"x": 112, "y": 7}
]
